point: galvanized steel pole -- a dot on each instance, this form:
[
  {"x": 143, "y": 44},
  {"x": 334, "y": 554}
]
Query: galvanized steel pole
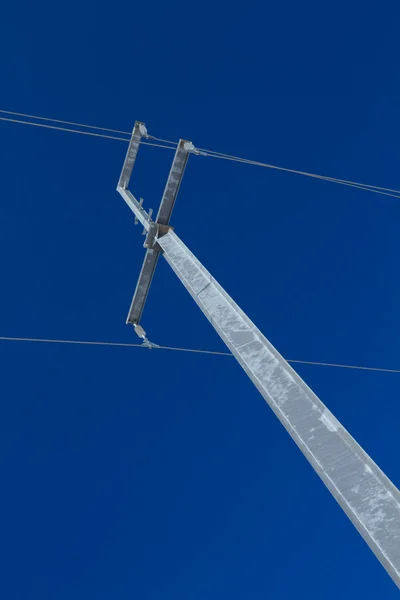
[{"x": 366, "y": 495}]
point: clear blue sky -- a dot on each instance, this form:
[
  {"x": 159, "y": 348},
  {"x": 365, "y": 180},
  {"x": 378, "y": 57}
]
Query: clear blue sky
[{"x": 128, "y": 474}]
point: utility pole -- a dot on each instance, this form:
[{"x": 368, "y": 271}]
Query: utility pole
[{"x": 367, "y": 496}]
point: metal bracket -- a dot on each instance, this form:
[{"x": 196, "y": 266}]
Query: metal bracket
[
  {"x": 152, "y": 230},
  {"x": 189, "y": 147},
  {"x": 151, "y": 236},
  {"x": 140, "y": 208},
  {"x": 150, "y": 345},
  {"x": 155, "y": 232},
  {"x": 142, "y": 334}
]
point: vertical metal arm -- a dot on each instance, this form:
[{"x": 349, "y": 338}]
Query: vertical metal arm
[
  {"x": 143, "y": 287},
  {"x": 163, "y": 218},
  {"x": 138, "y": 132},
  {"x": 173, "y": 182},
  {"x": 363, "y": 491}
]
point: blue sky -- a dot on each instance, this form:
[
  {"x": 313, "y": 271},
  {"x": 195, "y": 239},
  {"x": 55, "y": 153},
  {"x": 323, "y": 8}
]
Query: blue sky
[{"x": 129, "y": 474}]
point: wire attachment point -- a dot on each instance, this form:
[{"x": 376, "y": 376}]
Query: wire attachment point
[
  {"x": 142, "y": 334},
  {"x": 149, "y": 345}
]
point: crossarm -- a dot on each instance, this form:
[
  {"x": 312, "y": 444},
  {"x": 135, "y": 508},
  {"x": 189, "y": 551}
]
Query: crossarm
[{"x": 143, "y": 286}]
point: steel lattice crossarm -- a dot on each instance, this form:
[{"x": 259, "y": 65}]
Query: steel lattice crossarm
[
  {"x": 366, "y": 495},
  {"x": 150, "y": 227}
]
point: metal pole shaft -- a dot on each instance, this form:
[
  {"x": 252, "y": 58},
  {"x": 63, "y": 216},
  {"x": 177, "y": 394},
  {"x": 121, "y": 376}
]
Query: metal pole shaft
[{"x": 366, "y": 495}]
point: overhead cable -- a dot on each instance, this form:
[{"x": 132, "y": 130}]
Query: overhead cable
[
  {"x": 204, "y": 152},
  {"x": 362, "y": 186},
  {"x": 191, "y": 350},
  {"x": 99, "y": 135},
  {"x": 17, "y": 114}
]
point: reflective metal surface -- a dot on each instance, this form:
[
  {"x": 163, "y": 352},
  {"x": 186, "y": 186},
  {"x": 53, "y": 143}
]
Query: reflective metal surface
[
  {"x": 138, "y": 132},
  {"x": 163, "y": 217},
  {"x": 173, "y": 183},
  {"x": 143, "y": 286},
  {"x": 135, "y": 206},
  {"x": 363, "y": 491}
]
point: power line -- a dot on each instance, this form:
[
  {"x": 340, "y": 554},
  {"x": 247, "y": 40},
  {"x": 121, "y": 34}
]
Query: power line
[
  {"x": 110, "y": 137},
  {"x": 157, "y": 139},
  {"x": 209, "y": 153},
  {"x": 115, "y": 344},
  {"x": 214, "y": 352},
  {"x": 340, "y": 366},
  {"x": 362, "y": 186},
  {"x": 215, "y": 154},
  {"x": 191, "y": 350},
  {"x": 9, "y": 112},
  {"x": 74, "y": 342},
  {"x": 100, "y": 135}
]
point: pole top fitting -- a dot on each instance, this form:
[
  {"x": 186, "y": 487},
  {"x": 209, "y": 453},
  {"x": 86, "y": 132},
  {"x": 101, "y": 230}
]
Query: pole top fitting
[
  {"x": 142, "y": 334},
  {"x": 139, "y": 331},
  {"x": 141, "y": 127},
  {"x": 189, "y": 147}
]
